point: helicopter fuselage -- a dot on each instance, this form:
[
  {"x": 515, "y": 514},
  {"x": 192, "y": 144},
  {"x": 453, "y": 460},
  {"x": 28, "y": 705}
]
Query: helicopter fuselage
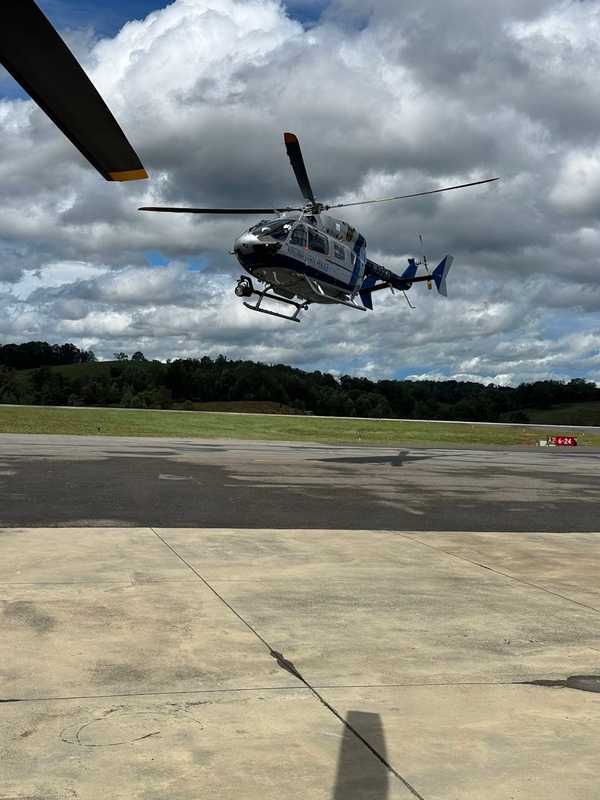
[
  {"x": 305, "y": 256},
  {"x": 316, "y": 258}
]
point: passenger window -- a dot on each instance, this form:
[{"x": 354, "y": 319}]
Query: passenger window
[
  {"x": 298, "y": 236},
  {"x": 317, "y": 242},
  {"x": 339, "y": 252}
]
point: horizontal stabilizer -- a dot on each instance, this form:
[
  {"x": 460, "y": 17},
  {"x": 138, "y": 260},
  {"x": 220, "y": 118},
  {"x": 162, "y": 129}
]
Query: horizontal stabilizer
[
  {"x": 440, "y": 273},
  {"x": 366, "y": 291},
  {"x": 411, "y": 270}
]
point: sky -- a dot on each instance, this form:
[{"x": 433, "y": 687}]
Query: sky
[{"x": 387, "y": 97}]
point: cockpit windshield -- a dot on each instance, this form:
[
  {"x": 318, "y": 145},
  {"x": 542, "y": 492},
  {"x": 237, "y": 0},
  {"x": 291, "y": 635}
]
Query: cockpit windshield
[{"x": 275, "y": 228}]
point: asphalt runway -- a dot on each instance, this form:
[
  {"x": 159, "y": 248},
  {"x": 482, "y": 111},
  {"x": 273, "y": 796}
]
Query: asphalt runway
[{"x": 92, "y": 481}]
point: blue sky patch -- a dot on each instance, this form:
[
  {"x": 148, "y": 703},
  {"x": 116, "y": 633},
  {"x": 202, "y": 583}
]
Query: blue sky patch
[
  {"x": 107, "y": 17},
  {"x": 197, "y": 264},
  {"x": 155, "y": 258}
]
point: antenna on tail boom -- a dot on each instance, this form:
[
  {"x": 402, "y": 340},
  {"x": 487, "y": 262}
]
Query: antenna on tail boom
[{"x": 424, "y": 260}]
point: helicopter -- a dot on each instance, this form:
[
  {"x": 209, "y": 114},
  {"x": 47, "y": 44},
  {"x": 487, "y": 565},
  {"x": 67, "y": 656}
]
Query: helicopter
[
  {"x": 304, "y": 255},
  {"x": 301, "y": 255}
]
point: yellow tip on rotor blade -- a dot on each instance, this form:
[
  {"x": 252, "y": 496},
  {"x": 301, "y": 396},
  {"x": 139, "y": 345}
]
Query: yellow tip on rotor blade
[{"x": 128, "y": 175}]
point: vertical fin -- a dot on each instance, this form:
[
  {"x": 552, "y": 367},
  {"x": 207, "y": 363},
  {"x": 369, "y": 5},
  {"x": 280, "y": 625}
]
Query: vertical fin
[{"x": 440, "y": 274}]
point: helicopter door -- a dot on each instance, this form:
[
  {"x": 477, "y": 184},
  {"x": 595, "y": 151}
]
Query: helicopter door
[{"x": 298, "y": 242}]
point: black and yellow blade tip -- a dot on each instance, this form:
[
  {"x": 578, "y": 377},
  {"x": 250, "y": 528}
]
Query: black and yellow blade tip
[
  {"x": 39, "y": 60},
  {"x": 128, "y": 175}
]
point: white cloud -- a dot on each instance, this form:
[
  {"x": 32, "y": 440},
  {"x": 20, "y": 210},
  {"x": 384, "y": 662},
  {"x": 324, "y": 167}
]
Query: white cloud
[
  {"x": 421, "y": 95},
  {"x": 577, "y": 189}
]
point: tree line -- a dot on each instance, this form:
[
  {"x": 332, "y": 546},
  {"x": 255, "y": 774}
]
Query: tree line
[
  {"x": 37, "y": 373},
  {"x": 42, "y": 354}
]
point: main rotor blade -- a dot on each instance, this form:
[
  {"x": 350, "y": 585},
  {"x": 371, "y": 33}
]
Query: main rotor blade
[
  {"x": 416, "y": 194},
  {"x": 36, "y": 56},
  {"x": 271, "y": 210},
  {"x": 292, "y": 146}
]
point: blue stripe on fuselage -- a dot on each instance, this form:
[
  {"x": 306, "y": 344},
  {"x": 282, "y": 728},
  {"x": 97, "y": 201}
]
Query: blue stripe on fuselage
[{"x": 359, "y": 261}]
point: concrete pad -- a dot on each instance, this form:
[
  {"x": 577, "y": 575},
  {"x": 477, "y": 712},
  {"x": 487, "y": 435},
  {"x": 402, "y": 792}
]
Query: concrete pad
[
  {"x": 566, "y": 563},
  {"x": 81, "y": 640},
  {"x": 251, "y": 745},
  {"x": 370, "y": 609},
  {"x": 492, "y": 742},
  {"x": 267, "y": 555},
  {"x": 75, "y": 555},
  {"x": 151, "y": 687}
]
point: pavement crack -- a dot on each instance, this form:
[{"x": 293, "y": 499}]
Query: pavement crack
[
  {"x": 496, "y": 571},
  {"x": 287, "y": 665},
  {"x": 584, "y": 683}
]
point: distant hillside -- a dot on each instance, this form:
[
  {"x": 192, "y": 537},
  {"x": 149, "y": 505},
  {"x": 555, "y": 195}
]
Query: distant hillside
[
  {"x": 220, "y": 384},
  {"x": 567, "y": 414},
  {"x": 244, "y": 407},
  {"x": 37, "y": 354}
]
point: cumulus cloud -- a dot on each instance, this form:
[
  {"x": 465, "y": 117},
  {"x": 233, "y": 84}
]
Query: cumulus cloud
[{"x": 386, "y": 98}]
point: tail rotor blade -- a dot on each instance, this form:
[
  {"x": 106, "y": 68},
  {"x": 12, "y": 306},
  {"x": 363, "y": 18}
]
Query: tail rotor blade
[
  {"x": 292, "y": 146},
  {"x": 36, "y": 56}
]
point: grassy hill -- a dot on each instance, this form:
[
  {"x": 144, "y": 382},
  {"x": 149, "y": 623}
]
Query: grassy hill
[
  {"x": 566, "y": 414},
  {"x": 87, "y": 371}
]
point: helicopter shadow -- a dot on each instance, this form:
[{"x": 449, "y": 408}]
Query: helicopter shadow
[
  {"x": 402, "y": 458},
  {"x": 360, "y": 774}
]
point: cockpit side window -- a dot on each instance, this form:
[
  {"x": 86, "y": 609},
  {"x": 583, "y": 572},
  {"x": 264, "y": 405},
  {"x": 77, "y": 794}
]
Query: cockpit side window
[
  {"x": 317, "y": 242},
  {"x": 281, "y": 232},
  {"x": 298, "y": 236}
]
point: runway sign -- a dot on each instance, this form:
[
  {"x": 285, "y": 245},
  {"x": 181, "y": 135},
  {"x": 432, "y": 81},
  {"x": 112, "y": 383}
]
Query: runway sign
[{"x": 562, "y": 441}]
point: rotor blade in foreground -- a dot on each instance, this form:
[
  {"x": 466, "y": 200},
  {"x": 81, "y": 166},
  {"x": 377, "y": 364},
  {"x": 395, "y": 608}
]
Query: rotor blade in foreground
[
  {"x": 271, "y": 210},
  {"x": 36, "y": 56},
  {"x": 292, "y": 146},
  {"x": 417, "y": 194}
]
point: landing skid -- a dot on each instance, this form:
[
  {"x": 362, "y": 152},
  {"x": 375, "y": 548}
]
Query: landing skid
[{"x": 245, "y": 288}]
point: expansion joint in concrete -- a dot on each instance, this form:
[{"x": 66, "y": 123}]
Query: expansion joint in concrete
[
  {"x": 495, "y": 571},
  {"x": 289, "y": 667}
]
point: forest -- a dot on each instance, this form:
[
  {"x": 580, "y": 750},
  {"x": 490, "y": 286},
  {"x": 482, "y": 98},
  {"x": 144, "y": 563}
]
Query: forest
[{"x": 37, "y": 373}]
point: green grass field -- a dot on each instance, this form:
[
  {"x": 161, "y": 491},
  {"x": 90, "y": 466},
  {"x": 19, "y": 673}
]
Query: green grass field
[
  {"x": 116, "y": 422},
  {"x": 246, "y": 407}
]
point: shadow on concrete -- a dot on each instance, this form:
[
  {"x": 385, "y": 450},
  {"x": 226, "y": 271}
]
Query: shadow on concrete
[{"x": 360, "y": 775}]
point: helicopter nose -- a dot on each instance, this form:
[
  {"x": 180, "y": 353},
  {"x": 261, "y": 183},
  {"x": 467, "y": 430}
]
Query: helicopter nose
[
  {"x": 249, "y": 249},
  {"x": 245, "y": 244}
]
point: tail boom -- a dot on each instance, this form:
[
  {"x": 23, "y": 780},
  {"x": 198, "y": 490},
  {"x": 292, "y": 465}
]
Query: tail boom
[{"x": 375, "y": 272}]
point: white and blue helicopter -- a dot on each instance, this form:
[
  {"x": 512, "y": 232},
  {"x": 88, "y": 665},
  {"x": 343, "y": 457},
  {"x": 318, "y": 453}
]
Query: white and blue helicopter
[{"x": 305, "y": 256}]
